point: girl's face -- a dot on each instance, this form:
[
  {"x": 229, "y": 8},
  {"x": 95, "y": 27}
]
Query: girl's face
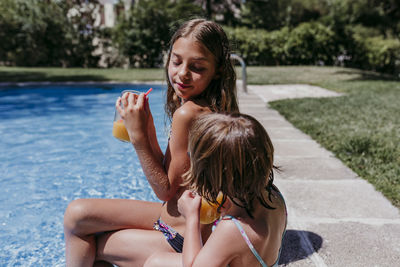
[{"x": 191, "y": 67}]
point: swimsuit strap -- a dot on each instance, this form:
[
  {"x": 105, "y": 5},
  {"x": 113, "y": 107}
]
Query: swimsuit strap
[{"x": 244, "y": 235}]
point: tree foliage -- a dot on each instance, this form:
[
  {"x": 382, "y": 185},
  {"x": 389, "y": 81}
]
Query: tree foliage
[
  {"x": 142, "y": 35},
  {"x": 39, "y": 33},
  {"x": 356, "y": 33},
  {"x": 268, "y": 15}
]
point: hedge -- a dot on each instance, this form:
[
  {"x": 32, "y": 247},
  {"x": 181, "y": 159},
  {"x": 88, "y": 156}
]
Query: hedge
[{"x": 313, "y": 43}]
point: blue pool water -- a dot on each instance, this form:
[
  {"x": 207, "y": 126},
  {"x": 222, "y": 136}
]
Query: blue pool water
[{"x": 56, "y": 145}]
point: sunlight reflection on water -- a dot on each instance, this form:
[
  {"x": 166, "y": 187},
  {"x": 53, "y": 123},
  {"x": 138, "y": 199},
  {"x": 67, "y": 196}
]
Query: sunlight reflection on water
[{"x": 56, "y": 145}]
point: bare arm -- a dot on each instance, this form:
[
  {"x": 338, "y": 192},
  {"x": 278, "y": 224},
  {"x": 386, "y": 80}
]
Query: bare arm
[
  {"x": 220, "y": 248},
  {"x": 151, "y": 130},
  {"x": 164, "y": 180},
  {"x": 189, "y": 206}
]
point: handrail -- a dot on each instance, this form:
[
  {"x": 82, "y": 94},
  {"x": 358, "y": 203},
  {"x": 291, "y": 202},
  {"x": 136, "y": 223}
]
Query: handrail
[{"x": 244, "y": 74}]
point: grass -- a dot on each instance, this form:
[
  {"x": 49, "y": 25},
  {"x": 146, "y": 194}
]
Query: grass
[
  {"x": 362, "y": 128},
  {"x": 11, "y": 74}
]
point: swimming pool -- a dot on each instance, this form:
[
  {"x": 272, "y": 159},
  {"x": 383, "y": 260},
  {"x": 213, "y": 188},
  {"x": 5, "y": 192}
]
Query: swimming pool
[{"x": 56, "y": 145}]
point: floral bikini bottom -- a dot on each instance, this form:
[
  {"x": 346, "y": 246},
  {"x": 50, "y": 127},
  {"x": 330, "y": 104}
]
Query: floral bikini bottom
[{"x": 172, "y": 236}]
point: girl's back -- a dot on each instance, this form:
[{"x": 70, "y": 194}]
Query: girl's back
[
  {"x": 231, "y": 158},
  {"x": 264, "y": 233}
]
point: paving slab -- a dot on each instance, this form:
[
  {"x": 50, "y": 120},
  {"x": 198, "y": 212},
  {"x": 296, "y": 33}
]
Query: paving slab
[
  {"x": 355, "y": 244},
  {"x": 312, "y": 168},
  {"x": 284, "y": 133},
  {"x": 266, "y": 113},
  {"x": 335, "y": 218},
  {"x": 336, "y": 200},
  {"x": 284, "y": 91},
  {"x": 299, "y": 148}
]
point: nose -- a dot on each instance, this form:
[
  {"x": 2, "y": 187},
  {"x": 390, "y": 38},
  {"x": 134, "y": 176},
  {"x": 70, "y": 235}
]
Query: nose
[{"x": 183, "y": 72}]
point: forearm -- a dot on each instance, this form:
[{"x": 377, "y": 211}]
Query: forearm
[
  {"x": 193, "y": 242},
  {"x": 154, "y": 170},
  {"x": 155, "y": 147}
]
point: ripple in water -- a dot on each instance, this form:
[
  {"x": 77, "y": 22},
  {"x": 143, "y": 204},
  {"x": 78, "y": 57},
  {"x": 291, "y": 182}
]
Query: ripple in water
[{"x": 56, "y": 145}]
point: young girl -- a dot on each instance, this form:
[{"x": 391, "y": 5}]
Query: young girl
[
  {"x": 232, "y": 155},
  {"x": 200, "y": 79}
]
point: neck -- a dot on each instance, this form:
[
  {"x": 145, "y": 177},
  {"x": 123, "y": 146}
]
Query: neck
[
  {"x": 238, "y": 211},
  {"x": 197, "y": 100}
]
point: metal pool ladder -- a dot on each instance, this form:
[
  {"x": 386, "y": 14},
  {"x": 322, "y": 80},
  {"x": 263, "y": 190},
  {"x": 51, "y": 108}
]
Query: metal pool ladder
[{"x": 244, "y": 74}]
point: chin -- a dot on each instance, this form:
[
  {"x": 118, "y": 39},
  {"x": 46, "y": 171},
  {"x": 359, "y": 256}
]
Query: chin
[{"x": 179, "y": 93}]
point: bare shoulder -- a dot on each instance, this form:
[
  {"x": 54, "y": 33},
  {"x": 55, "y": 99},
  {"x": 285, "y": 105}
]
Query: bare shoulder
[
  {"x": 227, "y": 232},
  {"x": 182, "y": 120},
  {"x": 189, "y": 110},
  {"x": 222, "y": 247}
]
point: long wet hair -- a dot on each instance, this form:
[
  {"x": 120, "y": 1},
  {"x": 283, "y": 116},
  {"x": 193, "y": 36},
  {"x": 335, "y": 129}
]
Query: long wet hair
[
  {"x": 220, "y": 94},
  {"x": 232, "y": 154}
]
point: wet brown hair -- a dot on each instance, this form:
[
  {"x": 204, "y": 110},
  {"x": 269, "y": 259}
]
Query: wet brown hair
[
  {"x": 232, "y": 154},
  {"x": 221, "y": 92}
]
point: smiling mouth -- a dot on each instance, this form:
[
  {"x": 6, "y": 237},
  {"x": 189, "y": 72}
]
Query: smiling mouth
[{"x": 183, "y": 86}]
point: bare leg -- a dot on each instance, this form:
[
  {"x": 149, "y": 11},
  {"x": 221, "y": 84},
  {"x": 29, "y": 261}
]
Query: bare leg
[
  {"x": 131, "y": 247},
  {"x": 86, "y": 217},
  {"x": 164, "y": 259}
]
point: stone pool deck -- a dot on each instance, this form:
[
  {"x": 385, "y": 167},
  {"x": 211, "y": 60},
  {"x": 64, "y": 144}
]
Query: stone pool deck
[{"x": 335, "y": 217}]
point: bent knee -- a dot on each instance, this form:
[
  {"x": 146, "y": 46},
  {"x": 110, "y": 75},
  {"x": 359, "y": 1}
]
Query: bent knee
[
  {"x": 76, "y": 212},
  {"x": 154, "y": 261}
]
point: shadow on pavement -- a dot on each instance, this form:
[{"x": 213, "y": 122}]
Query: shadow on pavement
[{"x": 293, "y": 248}]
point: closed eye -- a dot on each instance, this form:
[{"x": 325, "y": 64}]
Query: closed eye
[
  {"x": 197, "y": 68},
  {"x": 175, "y": 59}
]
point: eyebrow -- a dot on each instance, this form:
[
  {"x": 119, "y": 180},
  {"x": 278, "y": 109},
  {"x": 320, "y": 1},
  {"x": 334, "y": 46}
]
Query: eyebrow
[{"x": 194, "y": 58}]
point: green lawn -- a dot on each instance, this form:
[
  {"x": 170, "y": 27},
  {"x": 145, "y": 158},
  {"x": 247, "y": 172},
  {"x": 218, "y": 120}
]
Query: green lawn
[
  {"x": 8, "y": 74},
  {"x": 362, "y": 128}
]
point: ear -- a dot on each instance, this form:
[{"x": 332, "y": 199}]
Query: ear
[{"x": 226, "y": 206}]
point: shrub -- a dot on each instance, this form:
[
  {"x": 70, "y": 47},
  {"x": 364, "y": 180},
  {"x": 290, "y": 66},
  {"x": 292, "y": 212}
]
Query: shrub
[
  {"x": 25, "y": 28},
  {"x": 39, "y": 33},
  {"x": 383, "y": 54},
  {"x": 309, "y": 43},
  {"x": 250, "y": 44},
  {"x": 259, "y": 47},
  {"x": 375, "y": 51}
]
